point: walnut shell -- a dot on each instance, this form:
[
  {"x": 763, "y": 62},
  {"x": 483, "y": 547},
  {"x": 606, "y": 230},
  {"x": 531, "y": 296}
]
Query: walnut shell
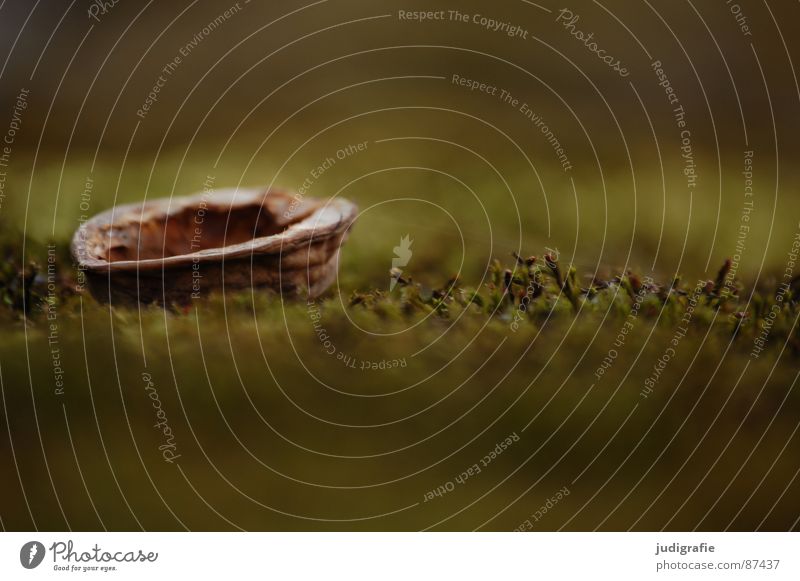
[{"x": 172, "y": 250}]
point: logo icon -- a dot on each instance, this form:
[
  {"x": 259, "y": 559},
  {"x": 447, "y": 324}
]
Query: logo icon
[
  {"x": 401, "y": 258},
  {"x": 31, "y": 554}
]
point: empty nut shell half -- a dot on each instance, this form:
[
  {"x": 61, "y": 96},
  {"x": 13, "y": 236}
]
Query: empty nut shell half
[{"x": 173, "y": 250}]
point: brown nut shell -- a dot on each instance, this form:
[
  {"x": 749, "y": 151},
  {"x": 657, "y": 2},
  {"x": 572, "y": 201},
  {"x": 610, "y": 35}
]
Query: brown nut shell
[{"x": 172, "y": 250}]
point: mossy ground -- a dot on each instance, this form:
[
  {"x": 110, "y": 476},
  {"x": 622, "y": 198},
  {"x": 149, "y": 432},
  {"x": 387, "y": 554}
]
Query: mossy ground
[{"x": 346, "y": 412}]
